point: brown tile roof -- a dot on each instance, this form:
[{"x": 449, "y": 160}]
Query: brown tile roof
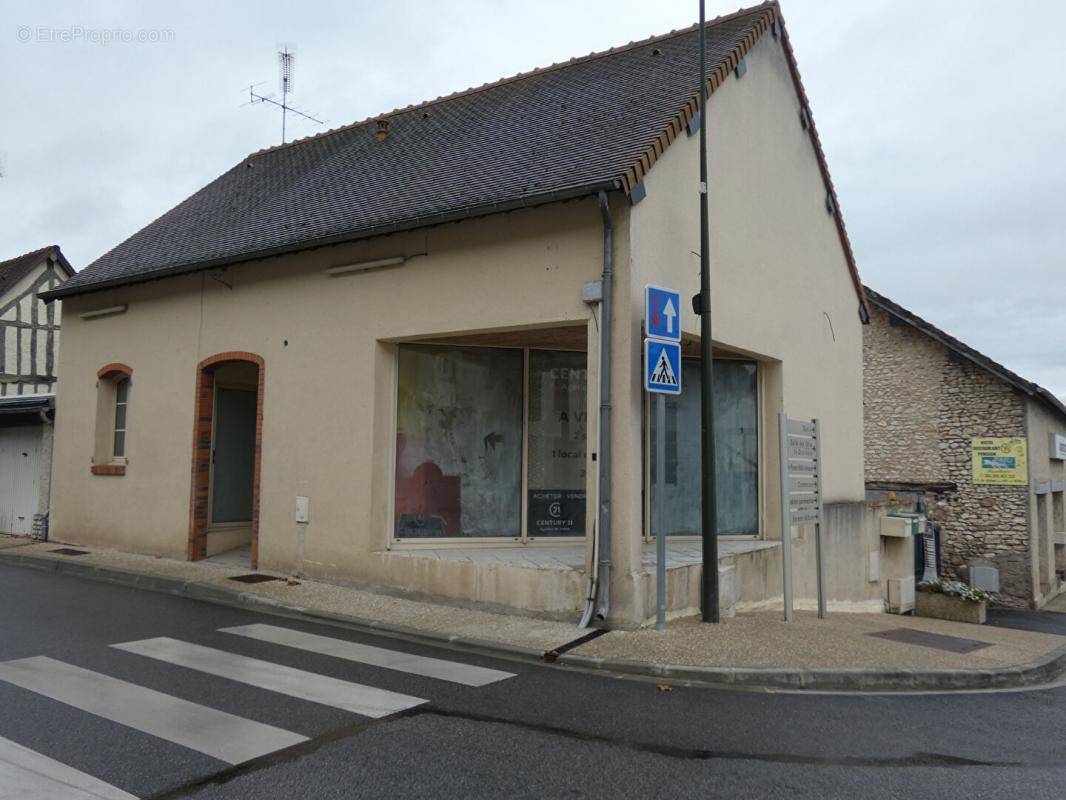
[
  {"x": 594, "y": 123},
  {"x": 14, "y": 269},
  {"x": 967, "y": 352}
]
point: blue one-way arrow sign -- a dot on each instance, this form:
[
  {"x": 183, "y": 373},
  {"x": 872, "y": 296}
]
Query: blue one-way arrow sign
[{"x": 662, "y": 313}]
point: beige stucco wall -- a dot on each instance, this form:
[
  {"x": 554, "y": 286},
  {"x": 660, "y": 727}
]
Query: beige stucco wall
[
  {"x": 1048, "y": 509},
  {"x": 781, "y": 288},
  {"x": 783, "y": 294},
  {"x": 329, "y": 400},
  {"x": 780, "y": 282}
]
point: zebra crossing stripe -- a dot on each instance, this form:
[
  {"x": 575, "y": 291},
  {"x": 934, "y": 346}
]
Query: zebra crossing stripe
[
  {"x": 355, "y": 697},
  {"x": 215, "y": 733},
  {"x": 27, "y": 774},
  {"x": 454, "y": 671}
]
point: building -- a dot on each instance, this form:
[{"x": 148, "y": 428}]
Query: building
[
  {"x": 982, "y": 445},
  {"x": 368, "y": 355},
  {"x": 29, "y": 344}
]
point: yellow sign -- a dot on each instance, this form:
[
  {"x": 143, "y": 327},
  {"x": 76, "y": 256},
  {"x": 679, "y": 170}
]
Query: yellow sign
[{"x": 1000, "y": 460}]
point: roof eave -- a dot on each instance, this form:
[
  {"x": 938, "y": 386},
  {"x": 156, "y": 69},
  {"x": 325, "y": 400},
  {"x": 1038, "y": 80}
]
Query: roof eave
[
  {"x": 716, "y": 77},
  {"x": 459, "y": 215},
  {"x": 26, "y": 404}
]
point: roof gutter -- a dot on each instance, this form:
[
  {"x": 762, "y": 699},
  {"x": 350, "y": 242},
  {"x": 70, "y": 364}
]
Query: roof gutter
[{"x": 458, "y": 215}]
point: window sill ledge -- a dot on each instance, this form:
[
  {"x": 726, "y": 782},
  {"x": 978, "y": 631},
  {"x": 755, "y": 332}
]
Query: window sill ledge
[{"x": 108, "y": 469}]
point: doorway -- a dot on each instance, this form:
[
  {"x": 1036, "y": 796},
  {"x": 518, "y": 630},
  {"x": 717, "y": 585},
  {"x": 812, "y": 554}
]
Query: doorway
[
  {"x": 19, "y": 476},
  {"x": 224, "y": 523}
]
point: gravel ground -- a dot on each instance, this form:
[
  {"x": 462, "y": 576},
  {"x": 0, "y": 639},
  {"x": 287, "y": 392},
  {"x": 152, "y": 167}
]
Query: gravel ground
[
  {"x": 765, "y": 640},
  {"x": 343, "y": 599}
]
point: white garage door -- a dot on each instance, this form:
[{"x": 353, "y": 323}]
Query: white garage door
[{"x": 19, "y": 452}]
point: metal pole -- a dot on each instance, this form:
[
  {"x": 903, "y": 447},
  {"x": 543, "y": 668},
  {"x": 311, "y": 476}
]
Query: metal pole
[
  {"x": 786, "y": 520},
  {"x": 660, "y": 509},
  {"x": 819, "y": 555},
  {"x": 709, "y": 598}
]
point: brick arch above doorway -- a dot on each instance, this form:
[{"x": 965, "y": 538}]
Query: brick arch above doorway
[{"x": 203, "y": 420}]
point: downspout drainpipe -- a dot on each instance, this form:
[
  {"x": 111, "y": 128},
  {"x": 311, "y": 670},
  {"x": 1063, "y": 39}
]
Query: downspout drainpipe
[
  {"x": 603, "y": 526},
  {"x": 48, "y": 496}
]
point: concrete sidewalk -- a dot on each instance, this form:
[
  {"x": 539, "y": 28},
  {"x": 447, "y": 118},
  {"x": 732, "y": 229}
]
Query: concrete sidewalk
[{"x": 752, "y": 650}]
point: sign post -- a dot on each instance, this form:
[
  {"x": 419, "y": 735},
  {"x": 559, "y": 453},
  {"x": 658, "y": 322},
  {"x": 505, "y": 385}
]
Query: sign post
[
  {"x": 801, "y": 499},
  {"x": 662, "y": 376}
]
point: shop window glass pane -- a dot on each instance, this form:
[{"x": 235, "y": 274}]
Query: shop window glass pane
[
  {"x": 558, "y": 434},
  {"x": 736, "y": 410},
  {"x": 458, "y": 442}
]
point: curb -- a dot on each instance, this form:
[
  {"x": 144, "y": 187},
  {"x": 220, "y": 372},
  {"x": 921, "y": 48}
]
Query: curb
[
  {"x": 223, "y": 595},
  {"x": 1034, "y": 673},
  {"x": 841, "y": 679}
]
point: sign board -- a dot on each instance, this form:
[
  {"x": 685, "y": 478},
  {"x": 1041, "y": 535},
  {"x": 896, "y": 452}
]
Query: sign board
[
  {"x": 556, "y": 512},
  {"x": 800, "y": 448},
  {"x": 662, "y": 366},
  {"x": 662, "y": 313},
  {"x": 801, "y": 498},
  {"x": 805, "y": 517},
  {"x": 1057, "y": 447},
  {"x": 662, "y": 375},
  {"x": 1000, "y": 461}
]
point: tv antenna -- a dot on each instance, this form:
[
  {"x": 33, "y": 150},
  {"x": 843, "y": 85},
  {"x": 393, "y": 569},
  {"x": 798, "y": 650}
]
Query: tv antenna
[{"x": 286, "y": 71}]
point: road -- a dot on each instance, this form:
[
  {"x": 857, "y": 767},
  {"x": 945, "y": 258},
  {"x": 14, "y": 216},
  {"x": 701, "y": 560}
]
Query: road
[{"x": 284, "y": 709}]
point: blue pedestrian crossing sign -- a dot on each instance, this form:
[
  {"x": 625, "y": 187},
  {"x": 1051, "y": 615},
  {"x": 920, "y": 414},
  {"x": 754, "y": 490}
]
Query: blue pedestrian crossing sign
[
  {"x": 662, "y": 366},
  {"x": 662, "y": 313}
]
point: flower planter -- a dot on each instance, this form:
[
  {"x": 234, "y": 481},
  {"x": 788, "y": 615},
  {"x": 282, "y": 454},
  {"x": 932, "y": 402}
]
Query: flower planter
[{"x": 951, "y": 607}]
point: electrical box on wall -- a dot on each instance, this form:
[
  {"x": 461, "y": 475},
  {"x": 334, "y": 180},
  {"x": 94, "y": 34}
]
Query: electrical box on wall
[
  {"x": 1057, "y": 446},
  {"x": 902, "y": 525},
  {"x": 303, "y": 509},
  {"x": 901, "y": 595},
  {"x": 984, "y": 577},
  {"x": 873, "y": 570}
]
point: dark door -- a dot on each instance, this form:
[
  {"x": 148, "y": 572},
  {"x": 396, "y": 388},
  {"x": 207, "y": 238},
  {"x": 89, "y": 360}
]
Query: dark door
[{"x": 233, "y": 473}]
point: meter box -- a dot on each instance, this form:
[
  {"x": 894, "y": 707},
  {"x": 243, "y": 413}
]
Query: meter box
[{"x": 902, "y": 525}]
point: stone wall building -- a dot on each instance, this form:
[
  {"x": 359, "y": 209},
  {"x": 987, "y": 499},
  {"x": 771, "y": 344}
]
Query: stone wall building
[{"x": 927, "y": 398}]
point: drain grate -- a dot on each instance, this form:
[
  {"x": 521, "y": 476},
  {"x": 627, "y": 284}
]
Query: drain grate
[
  {"x": 69, "y": 551},
  {"x": 255, "y": 577},
  {"x": 938, "y": 641}
]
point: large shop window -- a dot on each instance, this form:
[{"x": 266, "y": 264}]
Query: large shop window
[
  {"x": 736, "y": 413},
  {"x": 459, "y": 443},
  {"x": 557, "y": 441}
]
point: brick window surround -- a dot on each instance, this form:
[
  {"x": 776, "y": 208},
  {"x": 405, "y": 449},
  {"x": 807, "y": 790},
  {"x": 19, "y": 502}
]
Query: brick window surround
[
  {"x": 203, "y": 420},
  {"x": 111, "y": 372}
]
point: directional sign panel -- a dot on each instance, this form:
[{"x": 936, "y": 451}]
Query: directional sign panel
[
  {"x": 662, "y": 366},
  {"x": 662, "y": 313}
]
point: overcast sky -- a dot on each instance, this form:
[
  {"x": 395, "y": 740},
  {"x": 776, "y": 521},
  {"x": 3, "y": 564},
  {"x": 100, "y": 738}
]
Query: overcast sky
[{"x": 944, "y": 122}]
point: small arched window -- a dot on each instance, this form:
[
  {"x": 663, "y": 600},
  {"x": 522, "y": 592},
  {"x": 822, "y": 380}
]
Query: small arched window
[{"x": 112, "y": 419}]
